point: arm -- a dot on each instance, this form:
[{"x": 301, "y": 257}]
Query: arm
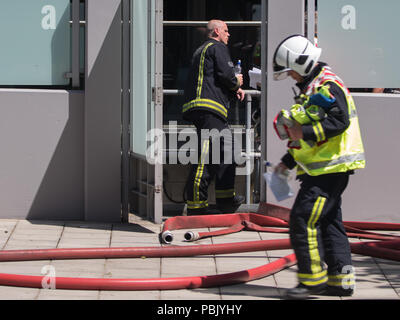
[
  {"x": 224, "y": 68},
  {"x": 287, "y": 162},
  {"x": 240, "y": 94},
  {"x": 335, "y": 123}
]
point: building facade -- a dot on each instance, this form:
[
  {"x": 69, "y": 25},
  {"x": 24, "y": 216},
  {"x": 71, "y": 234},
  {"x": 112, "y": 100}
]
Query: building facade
[{"x": 88, "y": 87}]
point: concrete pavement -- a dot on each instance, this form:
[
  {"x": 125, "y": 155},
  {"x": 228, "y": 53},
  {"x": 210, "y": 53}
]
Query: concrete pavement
[{"x": 376, "y": 278}]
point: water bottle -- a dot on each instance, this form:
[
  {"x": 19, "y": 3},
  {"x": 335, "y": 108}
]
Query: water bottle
[
  {"x": 238, "y": 68},
  {"x": 283, "y": 174},
  {"x": 278, "y": 182}
]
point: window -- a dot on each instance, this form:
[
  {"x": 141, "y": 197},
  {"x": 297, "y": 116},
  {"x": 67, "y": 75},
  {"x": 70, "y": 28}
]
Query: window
[
  {"x": 359, "y": 39},
  {"x": 36, "y": 43},
  {"x": 181, "y": 39}
]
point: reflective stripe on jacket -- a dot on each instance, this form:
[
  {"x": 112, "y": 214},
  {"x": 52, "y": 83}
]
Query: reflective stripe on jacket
[
  {"x": 211, "y": 82},
  {"x": 340, "y": 153}
]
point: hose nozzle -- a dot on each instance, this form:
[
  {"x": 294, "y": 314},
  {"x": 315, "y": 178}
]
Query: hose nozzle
[
  {"x": 191, "y": 236},
  {"x": 167, "y": 237}
]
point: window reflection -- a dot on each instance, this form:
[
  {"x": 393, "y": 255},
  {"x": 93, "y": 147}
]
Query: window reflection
[{"x": 181, "y": 41}]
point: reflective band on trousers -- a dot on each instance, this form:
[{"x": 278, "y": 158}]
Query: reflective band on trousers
[
  {"x": 206, "y": 103},
  {"x": 313, "y": 279},
  {"x": 312, "y": 233},
  {"x": 199, "y": 174},
  {"x": 197, "y": 204},
  {"x": 342, "y": 280},
  {"x": 229, "y": 193}
]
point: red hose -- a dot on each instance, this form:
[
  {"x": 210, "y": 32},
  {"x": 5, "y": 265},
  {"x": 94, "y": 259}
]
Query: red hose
[
  {"x": 373, "y": 225},
  {"x": 244, "y": 225},
  {"x": 147, "y": 284},
  {"x": 377, "y": 250},
  {"x": 220, "y": 220},
  {"x": 201, "y": 235},
  {"x": 255, "y": 227},
  {"x": 233, "y": 221},
  {"x": 387, "y": 244},
  {"x": 262, "y": 223},
  {"x": 152, "y": 284},
  {"x": 138, "y": 252},
  {"x": 170, "y": 283},
  {"x": 283, "y": 213},
  {"x": 388, "y": 249}
]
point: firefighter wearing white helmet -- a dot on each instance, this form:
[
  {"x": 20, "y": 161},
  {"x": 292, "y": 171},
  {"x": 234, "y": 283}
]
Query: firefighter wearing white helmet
[
  {"x": 323, "y": 167},
  {"x": 295, "y": 53}
]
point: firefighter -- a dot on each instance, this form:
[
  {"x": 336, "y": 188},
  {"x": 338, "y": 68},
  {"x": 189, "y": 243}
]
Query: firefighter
[
  {"x": 210, "y": 86},
  {"x": 323, "y": 167}
]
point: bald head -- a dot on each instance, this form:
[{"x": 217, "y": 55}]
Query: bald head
[
  {"x": 212, "y": 25},
  {"x": 218, "y": 30}
]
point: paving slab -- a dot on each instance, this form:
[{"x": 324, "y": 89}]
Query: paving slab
[
  {"x": 132, "y": 268},
  {"x": 18, "y": 293},
  {"x": 193, "y": 294},
  {"x": 261, "y": 289},
  {"x": 187, "y": 267},
  {"x": 376, "y": 278},
  {"x": 130, "y": 295},
  {"x": 58, "y": 294}
]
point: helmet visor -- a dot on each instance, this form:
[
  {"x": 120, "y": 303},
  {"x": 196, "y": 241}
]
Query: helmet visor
[
  {"x": 281, "y": 75},
  {"x": 280, "y": 72}
]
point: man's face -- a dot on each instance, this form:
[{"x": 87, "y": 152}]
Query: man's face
[
  {"x": 223, "y": 33},
  {"x": 295, "y": 76}
]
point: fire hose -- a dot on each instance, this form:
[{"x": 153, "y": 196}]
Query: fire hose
[
  {"x": 261, "y": 223},
  {"x": 140, "y": 252},
  {"x": 388, "y": 247}
]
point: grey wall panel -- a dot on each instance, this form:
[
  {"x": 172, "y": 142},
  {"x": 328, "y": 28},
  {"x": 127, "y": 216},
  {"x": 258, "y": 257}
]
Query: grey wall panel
[
  {"x": 284, "y": 18},
  {"x": 41, "y": 167},
  {"x": 373, "y": 192},
  {"x": 103, "y": 111}
]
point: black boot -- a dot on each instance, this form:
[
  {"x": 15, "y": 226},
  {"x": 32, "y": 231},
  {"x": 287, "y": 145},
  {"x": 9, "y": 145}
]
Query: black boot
[
  {"x": 230, "y": 205},
  {"x": 303, "y": 292},
  {"x": 202, "y": 211},
  {"x": 339, "y": 291}
]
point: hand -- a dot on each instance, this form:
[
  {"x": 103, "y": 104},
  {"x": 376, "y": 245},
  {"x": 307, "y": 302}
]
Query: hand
[
  {"x": 282, "y": 171},
  {"x": 281, "y": 167},
  {"x": 295, "y": 132},
  {"x": 240, "y": 94},
  {"x": 240, "y": 79}
]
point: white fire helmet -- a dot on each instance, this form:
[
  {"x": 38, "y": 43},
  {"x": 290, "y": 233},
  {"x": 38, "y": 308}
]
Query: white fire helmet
[{"x": 295, "y": 53}]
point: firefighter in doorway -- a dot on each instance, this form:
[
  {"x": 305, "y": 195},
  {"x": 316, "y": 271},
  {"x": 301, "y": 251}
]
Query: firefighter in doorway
[
  {"x": 210, "y": 86},
  {"x": 325, "y": 150}
]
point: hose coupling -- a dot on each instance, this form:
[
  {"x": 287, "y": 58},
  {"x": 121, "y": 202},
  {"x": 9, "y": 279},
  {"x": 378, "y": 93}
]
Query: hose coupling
[
  {"x": 167, "y": 237},
  {"x": 191, "y": 236}
]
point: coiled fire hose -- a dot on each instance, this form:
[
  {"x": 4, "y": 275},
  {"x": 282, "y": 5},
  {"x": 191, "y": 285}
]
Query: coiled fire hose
[{"x": 388, "y": 247}]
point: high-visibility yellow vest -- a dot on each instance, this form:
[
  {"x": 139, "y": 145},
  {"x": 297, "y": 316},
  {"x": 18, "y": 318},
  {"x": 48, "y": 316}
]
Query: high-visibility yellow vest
[{"x": 341, "y": 153}]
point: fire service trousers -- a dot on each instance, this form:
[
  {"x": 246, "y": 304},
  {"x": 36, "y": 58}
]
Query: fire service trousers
[
  {"x": 317, "y": 233},
  {"x": 215, "y": 160}
]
